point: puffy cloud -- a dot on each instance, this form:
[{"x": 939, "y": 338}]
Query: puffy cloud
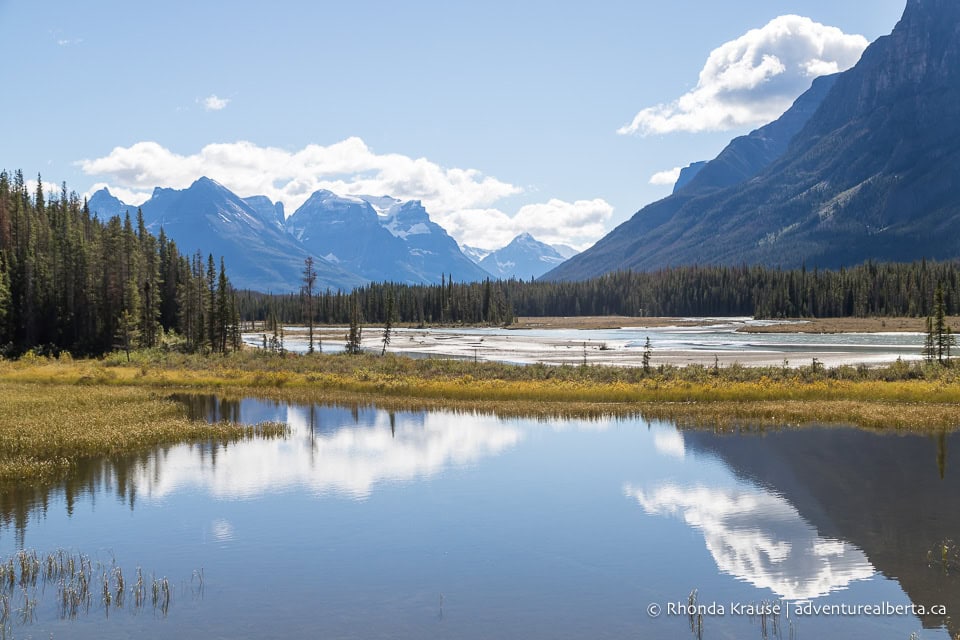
[
  {"x": 668, "y": 177},
  {"x": 459, "y": 199},
  {"x": 213, "y": 103},
  {"x": 752, "y": 80},
  {"x": 346, "y": 167},
  {"x": 578, "y": 224}
]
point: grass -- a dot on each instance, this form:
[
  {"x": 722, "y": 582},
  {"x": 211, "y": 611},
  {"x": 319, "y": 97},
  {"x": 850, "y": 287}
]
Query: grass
[
  {"x": 44, "y": 431},
  {"x": 55, "y": 412},
  {"x": 79, "y": 584}
]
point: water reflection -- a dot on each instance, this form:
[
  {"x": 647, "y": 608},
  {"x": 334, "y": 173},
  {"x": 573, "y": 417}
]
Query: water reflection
[
  {"x": 843, "y": 493},
  {"x": 759, "y": 537},
  {"x": 518, "y": 517},
  {"x": 347, "y": 451}
]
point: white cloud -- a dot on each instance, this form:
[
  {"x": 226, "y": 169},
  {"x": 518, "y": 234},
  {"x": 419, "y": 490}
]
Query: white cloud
[
  {"x": 578, "y": 224},
  {"x": 668, "y": 177},
  {"x": 51, "y": 189},
  {"x": 752, "y": 80},
  {"x": 459, "y": 199},
  {"x": 213, "y": 103},
  {"x": 67, "y": 42}
]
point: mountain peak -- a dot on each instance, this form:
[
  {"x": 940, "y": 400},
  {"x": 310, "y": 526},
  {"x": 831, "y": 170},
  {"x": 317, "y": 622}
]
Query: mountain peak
[
  {"x": 870, "y": 174},
  {"x": 524, "y": 258}
]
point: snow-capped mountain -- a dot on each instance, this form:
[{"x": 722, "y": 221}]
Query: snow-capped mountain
[
  {"x": 524, "y": 258},
  {"x": 209, "y": 218},
  {"x": 347, "y": 232},
  {"x": 268, "y": 211},
  {"x": 380, "y": 238},
  {"x": 353, "y": 239},
  {"x": 475, "y": 253}
]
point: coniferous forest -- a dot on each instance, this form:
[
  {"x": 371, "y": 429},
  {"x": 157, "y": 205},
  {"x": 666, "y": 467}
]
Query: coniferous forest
[
  {"x": 72, "y": 282},
  {"x": 69, "y": 281},
  {"x": 872, "y": 289}
]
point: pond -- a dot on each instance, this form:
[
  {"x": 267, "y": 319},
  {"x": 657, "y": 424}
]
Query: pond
[{"x": 364, "y": 523}]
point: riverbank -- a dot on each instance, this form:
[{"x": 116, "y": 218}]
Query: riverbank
[
  {"x": 130, "y": 409},
  {"x": 45, "y": 428},
  {"x": 613, "y": 341}
]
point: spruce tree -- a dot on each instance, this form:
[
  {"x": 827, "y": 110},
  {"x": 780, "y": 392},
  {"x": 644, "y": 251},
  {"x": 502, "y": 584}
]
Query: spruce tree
[
  {"x": 309, "y": 279},
  {"x": 388, "y": 321},
  {"x": 354, "y": 336}
]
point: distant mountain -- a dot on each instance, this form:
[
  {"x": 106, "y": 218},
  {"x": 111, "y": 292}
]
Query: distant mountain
[
  {"x": 476, "y": 254},
  {"x": 347, "y": 232},
  {"x": 267, "y": 210},
  {"x": 566, "y": 251},
  {"x": 209, "y": 218},
  {"x": 430, "y": 249},
  {"x": 524, "y": 258},
  {"x": 870, "y": 174},
  {"x": 380, "y": 238},
  {"x": 106, "y": 205}
]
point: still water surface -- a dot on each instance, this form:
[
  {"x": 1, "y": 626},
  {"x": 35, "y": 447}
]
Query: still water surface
[{"x": 369, "y": 524}]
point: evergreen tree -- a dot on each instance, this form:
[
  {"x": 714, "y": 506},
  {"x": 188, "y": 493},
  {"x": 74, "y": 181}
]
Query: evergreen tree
[
  {"x": 354, "y": 336},
  {"x": 309, "y": 278},
  {"x": 212, "y": 303},
  {"x": 929, "y": 342},
  {"x": 388, "y": 321},
  {"x": 224, "y": 317}
]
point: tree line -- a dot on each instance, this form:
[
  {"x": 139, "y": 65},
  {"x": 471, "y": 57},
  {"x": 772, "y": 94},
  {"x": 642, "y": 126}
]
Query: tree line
[
  {"x": 70, "y": 281},
  {"x": 871, "y": 289}
]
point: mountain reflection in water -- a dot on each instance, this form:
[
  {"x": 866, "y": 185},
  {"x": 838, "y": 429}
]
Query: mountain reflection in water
[{"x": 513, "y": 519}]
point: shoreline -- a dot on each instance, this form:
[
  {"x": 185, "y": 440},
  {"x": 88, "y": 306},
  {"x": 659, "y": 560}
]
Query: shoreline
[{"x": 618, "y": 341}]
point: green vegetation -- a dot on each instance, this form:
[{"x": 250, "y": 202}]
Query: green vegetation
[
  {"x": 44, "y": 431},
  {"x": 871, "y": 289},
  {"x": 939, "y": 340},
  {"x": 69, "y": 281},
  {"x": 928, "y": 386},
  {"x": 80, "y": 585}
]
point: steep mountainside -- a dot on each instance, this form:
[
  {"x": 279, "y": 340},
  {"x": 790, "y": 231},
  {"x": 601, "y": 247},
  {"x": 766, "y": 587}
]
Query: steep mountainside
[
  {"x": 524, "y": 258},
  {"x": 870, "y": 175},
  {"x": 258, "y": 254},
  {"x": 347, "y": 232},
  {"x": 267, "y": 210},
  {"x": 431, "y": 251},
  {"x": 106, "y": 205}
]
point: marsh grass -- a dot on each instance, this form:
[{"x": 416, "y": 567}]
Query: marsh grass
[
  {"x": 45, "y": 430},
  {"x": 55, "y": 412},
  {"x": 80, "y": 584}
]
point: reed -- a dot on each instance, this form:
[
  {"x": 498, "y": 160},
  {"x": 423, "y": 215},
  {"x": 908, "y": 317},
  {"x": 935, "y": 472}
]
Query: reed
[{"x": 45, "y": 430}]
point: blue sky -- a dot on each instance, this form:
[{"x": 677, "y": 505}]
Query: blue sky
[{"x": 501, "y": 116}]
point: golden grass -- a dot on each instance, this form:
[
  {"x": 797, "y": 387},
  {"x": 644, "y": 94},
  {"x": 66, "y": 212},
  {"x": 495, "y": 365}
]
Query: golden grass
[
  {"x": 45, "y": 429},
  {"x": 56, "y": 412}
]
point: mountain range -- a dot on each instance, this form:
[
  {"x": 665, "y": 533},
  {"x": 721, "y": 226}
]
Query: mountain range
[
  {"x": 861, "y": 167},
  {"x": 353, "y": 239},
  {"x": 523, "y": 258}
]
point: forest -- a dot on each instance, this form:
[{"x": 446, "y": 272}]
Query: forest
[
  {"x": 871, "y": 289},
  {"x": 71, "y": 282}
]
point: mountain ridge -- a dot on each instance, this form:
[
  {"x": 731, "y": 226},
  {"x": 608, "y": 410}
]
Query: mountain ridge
[{"x": 869, "y": 175}]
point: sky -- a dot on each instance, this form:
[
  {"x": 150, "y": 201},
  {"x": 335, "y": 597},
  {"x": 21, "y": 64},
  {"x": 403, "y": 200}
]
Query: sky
[{"x": 558, "y": 119}]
